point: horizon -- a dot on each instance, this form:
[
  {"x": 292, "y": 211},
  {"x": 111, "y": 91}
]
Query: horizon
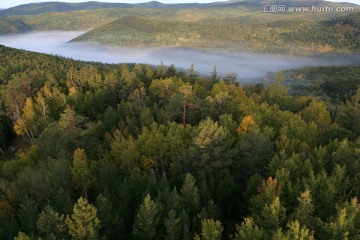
[{"x": 8, "y": 3}]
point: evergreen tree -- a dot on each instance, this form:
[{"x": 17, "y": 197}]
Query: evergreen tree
[
  {"x": 210, "y": 230},
  {"x": 82, "y": 171},
  {"x": 248, "y": 230},
  {"x": 22, "y": 236},
  {"x": 173, "y": 226},
  {"x": 51, "y": 224},
  {"x": 83, "y": 224},
  {"x": 28, "y": 214},
  {"x": 146, "y": 220},
  {"x": 297, "y": 232}
]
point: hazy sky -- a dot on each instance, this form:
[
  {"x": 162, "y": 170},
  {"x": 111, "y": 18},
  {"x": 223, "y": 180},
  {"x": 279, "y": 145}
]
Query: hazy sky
[{"x": 12, "y": 3}]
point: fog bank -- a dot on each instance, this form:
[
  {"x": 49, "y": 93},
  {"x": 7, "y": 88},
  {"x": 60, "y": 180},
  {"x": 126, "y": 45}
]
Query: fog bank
[{"x": 246, "y": 65}]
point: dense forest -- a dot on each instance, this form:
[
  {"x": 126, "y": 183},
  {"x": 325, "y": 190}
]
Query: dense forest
[
  {"x": 95, "y": 151},
  {"x": 335, "y": 83}
]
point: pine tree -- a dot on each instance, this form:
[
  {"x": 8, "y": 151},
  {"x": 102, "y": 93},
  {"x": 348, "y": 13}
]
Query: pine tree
[
  {"x": 248, "y": 230},
  {"x": 146, "y": 220},
  {"x": 173, "y": 226},
  {"x": 22, "y": 236},
  {"x": 51, "y": 224},
  {"x": 210, "y": 230},
  {"x": 305, "y": 210},
  {"x": 190, "y": 195},
  {"x": 82, "y": 172},
  {"x": 83, "y": 224},
  {"x": 297, "y": 232},
  {"x": 28, "y": 214}
]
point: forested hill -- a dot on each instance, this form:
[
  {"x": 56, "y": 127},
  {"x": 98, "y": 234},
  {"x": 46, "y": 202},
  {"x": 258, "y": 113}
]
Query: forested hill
[
  {"x": 301, "y": 37},
  {"x": 9, "y": 26},
  {"x": 94, "y": 151},
  {"x": 39, "y": 8}
]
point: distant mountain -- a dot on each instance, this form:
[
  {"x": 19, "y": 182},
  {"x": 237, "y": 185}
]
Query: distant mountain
[
  {"x": 155, "y": 4},
  {"x": 39, "y": 8}
]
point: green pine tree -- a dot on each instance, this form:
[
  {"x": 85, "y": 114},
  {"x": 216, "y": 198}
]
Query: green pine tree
[
  {"x": 146, "y": 220},
  {"x": 83, "y": 223}
]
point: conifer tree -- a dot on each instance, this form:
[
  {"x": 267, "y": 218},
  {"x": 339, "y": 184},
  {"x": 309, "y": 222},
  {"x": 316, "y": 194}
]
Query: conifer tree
[
  {"x": 83, "y": 224},
  {"x": 146, "y": 220}
]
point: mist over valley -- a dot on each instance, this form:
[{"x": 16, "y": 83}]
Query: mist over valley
[{"x": 247, "y": 66}]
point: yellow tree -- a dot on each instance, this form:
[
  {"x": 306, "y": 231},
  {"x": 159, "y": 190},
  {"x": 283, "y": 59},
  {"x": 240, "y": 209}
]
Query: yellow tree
[
  {"x": 246, "y": 125},
  {"x": 27, "y": 124}
]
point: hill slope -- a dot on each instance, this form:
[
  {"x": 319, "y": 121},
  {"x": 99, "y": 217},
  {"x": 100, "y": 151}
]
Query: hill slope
[
  {"x": 39, "y": 8},
  {"x": 8, "y": 25},
  {"x": 341, "y": 35}
]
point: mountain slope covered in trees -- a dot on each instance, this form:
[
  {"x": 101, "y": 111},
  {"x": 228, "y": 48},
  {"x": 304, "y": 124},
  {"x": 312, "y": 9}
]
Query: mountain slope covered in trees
[
  {"x": 94, "y": 151},
  {"x": 340, "y": 35},
  {"x": 9, "y": 26},
  {"x": 45, "y": 7}
]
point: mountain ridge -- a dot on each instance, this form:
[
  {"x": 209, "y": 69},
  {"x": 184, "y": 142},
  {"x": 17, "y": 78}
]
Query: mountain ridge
[{"x": 45, "y": 7}]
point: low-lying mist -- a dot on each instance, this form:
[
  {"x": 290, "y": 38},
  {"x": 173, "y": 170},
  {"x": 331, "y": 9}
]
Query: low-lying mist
[{"x": 247, "y": 66}]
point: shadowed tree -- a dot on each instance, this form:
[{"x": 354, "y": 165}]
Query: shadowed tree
[
  {"x": 146, "y": 220},
  {"x": 173, "y": 226},
  {"x": 82, "y": 171},
  {"x": 51, "y": 224}
]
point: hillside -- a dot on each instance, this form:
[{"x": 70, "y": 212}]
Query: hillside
[
  {"x": 88, "y": 19},
  {"x": 96, "y": 151},
  {"x": 39, "y": 8},
  {"x": 339, "y": 35},
  {"x": 15, "y": 25},
  {"x": 91, "y": 15}
]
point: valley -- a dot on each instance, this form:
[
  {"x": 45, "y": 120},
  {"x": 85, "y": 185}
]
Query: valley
[{"x": 249, "y": 67}]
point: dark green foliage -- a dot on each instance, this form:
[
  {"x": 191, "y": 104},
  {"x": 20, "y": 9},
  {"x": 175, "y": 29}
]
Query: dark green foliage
[
  {"x": 217, "y": 159},
  {"x": 337, "y": 83}
]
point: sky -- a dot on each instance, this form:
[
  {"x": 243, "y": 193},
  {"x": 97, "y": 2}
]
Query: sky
[{"x": 12, "y": 3}]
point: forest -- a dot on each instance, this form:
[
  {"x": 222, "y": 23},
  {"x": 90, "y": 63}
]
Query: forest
[
  {"x": 129, "y": 151},
  {"x": 335, "y": 83}
]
